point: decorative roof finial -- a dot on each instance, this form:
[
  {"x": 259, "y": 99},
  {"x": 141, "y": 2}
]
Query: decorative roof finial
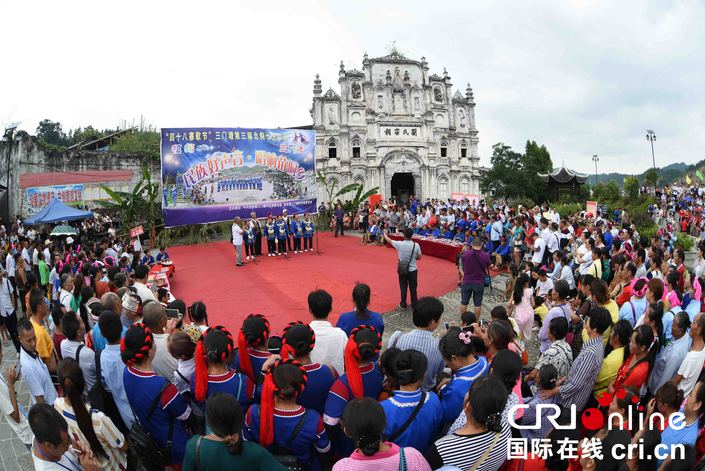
[
  {"x": 468, "y": 94},
  {"x": 342, "y": 68},
  {"x": 317, "y": 85}
]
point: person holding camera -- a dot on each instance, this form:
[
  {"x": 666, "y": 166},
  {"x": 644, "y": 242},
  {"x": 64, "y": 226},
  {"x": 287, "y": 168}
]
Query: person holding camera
[{"x": 408, "y": 252}]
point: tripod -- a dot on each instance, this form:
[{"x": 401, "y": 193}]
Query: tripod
[{"x": 318, "y": 249}]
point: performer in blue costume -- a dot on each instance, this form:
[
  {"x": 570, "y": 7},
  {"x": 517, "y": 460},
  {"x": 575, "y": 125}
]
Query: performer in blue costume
[
  {"x": 270, "y": 232},
  {"x": 282, "y": 235},
  {"x": 297, "y": 230},
  {"x": 309, "y": 229},
  {"x": 249, "y": 240}
]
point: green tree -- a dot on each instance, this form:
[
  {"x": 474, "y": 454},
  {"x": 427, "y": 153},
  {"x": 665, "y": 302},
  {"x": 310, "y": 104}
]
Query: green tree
[
  {"x": 608, "y": 193},
  {"x": 631, "y": 188},
  {"x": 505, "y": 178},
  {"x": 651, "y": 177},
  {"x": 145, "y": 143},
  {"x": 536, "y": 160},
  {"x": 50, "y": 132},
  {"x": 79, "y": 135}
]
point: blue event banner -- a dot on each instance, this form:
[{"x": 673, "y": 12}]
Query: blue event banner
[{"x": 216, "y": 174}]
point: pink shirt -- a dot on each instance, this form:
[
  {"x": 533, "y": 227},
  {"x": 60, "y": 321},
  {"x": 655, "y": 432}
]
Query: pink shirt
[{"x": 383, "y": 460}]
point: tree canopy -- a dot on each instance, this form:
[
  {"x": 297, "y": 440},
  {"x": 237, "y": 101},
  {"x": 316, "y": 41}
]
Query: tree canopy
[{"x": 515, "y": 175}]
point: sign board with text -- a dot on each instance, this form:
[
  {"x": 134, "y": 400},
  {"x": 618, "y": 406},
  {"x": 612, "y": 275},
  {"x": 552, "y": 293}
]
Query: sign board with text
[{"x": 216, "y": 174}]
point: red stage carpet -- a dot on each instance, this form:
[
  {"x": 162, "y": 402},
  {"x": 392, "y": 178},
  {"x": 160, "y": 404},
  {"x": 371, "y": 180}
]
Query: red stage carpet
[{"x": 278, "y": 288}]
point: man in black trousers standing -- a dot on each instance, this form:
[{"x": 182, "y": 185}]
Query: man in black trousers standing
[
  {"x": 285, "y": 216},
  {"x": 408, "y": 253},
  {"x": 257, "y": 229}
]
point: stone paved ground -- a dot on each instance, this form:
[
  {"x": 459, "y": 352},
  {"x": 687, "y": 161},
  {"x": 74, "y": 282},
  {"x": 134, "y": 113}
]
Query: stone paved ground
[{"x": 401, "y": 319}]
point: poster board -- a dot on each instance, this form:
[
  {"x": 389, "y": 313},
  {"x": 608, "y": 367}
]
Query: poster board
[{"x": 215, "y": 174}]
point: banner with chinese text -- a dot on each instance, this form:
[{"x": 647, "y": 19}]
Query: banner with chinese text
[
  {"x": 216, "y": 174},
  {"x": 40, "y": 196},
  {"x": 471, "y": 197}
]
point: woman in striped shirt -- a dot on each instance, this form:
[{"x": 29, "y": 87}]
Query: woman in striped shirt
[
  {"x": 87, "y": 425},
  {"x": 481, "y": 444}
]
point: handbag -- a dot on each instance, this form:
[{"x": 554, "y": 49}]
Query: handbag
[
  {"x": 411, "y": 418},
  {"x": 284, "y": 455},
  {"x": 102, "y": 400},
  {"x": 152, "y": 456},
  {"x": 403, "y": 266}
]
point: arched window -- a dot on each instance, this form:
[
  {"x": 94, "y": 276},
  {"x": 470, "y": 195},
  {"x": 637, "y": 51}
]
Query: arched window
[
  {"x": 464, "y": 185},
  {"x": 356, "y": 148},
  {"x": 333, "y": 182},
  {"x": 463, "y": 151},
  {"x": 332, "y": 149},
  {"x": 443, "y": 188},
  {"x": 444, "y": 148}
]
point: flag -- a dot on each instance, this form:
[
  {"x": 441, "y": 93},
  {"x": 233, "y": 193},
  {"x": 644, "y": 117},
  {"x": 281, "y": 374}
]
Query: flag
[
  {"x": 688, "y": 180},
  {"x": 699, "y": 174}
]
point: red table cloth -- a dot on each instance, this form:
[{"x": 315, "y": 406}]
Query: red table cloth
[
  {"x": 433, "y": 248},
  {"x": 158, "y": 269}
]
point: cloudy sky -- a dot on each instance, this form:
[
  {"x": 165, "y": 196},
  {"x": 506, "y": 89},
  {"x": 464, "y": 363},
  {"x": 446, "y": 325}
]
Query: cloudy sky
[{"x": 581, "y": 77}]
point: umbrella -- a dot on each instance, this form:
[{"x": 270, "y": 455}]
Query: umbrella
[{"x": 64, "y": 230}]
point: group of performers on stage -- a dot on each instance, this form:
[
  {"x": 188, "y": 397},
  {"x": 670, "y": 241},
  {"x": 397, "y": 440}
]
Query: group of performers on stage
[
  {"x": 230, "y": 184},
  {"x": 280, "y": 233}
]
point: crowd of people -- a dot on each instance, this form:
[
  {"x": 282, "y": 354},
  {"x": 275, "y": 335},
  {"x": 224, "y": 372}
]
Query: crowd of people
[{"x": 123, "y": 375}]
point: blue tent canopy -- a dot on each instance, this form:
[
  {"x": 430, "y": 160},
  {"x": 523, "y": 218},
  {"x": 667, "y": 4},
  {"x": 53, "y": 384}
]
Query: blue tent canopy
[{"x": 57, "y": 211}]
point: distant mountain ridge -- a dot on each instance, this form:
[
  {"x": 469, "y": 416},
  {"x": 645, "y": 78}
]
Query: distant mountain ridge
[{"x": 667, "y": 175}]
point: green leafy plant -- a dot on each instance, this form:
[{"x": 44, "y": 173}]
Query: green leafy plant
[
  {"x": 140, "y": 206},
  {"x": 685, "y": 242},
  {"x": 567, "y": 210}
]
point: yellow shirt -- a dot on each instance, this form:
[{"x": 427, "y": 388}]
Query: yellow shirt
[
  {"x": 45, "y": 347},
  {"x": 541, "y": 310},
  {"x": 608, "y": 371},
  {"x": 613, "y": 309}
]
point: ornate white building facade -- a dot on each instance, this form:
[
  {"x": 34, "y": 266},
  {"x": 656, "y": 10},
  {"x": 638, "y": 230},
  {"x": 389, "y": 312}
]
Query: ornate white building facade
[{"x": 395, "y": 126}]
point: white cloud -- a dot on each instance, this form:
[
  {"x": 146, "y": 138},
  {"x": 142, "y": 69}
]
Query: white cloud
[{"x": 582, "y": 77}]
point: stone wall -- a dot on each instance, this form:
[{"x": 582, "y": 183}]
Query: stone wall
[{"x": 32, "y": 164}]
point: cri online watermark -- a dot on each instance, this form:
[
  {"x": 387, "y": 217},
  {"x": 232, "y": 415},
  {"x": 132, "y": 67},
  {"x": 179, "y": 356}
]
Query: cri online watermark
[{"x": 593, "y": 419}]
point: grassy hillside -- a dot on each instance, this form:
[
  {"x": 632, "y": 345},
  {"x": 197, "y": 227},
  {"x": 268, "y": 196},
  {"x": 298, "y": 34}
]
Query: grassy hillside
[{"x": 667, "y": 174}]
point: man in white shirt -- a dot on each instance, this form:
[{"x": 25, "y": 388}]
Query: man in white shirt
[
  {"x": 553, "y": 242},
  {"x": 73, "y": 346},
  {"x": 154, "y": 317},
  {"x": 15, "y": 415},
  {"x": 34, "y": 370},
  {"x": 25, "y": 255},
  {"x": 52, "y": 448},
  {"x": 330, "y": 341},
  {"x": 10, "y": 267},
  {"x": 47, "y": 253},
  {"x": 539, "y": 246},
  {"x": 8, "y": 314},
  {"x": 237, "y": 241},
  {"x": 141, "y": 273}
]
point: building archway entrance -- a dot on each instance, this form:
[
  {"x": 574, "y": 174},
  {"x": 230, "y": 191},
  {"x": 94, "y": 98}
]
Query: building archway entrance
[{"x": 402, "y": 187}]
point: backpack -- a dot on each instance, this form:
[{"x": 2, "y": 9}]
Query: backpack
[
  {"x": 102, "y": 400},
  {"x": 144, "y": 447},
  {"x": 283, "y": 454}
]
